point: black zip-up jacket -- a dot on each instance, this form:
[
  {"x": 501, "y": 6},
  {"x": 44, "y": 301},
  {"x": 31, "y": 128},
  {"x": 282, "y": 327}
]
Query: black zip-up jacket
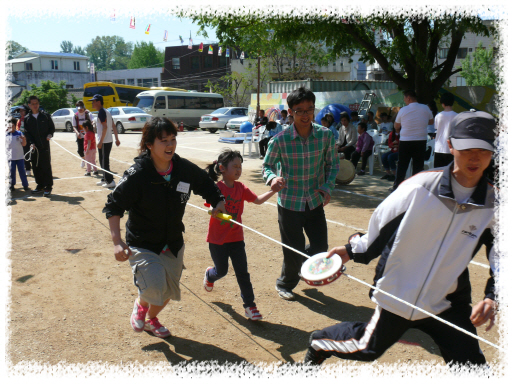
[
  {"x": 155, "y": 206},
  {"x": 37, "y": 130}
]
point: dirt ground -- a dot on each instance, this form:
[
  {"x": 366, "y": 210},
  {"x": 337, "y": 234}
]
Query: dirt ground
[{"x": 70, "y": 300}]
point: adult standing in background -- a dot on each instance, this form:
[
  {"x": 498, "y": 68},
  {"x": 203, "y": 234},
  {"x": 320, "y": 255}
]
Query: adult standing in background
[
  {"x": 39, "y": 129},
  {"x": 104, "y": 128},
  {"x": 411, "y": 123},
  {"x": 304, "y": 179},
  {"x": 442, "y": 154}
]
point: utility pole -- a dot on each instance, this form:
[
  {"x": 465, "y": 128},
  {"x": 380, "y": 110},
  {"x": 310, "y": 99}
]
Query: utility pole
[{"x": 258, "y": 94}]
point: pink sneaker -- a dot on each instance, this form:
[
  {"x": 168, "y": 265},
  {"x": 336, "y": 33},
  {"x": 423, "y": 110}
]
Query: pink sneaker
[
  {"x": 158, "y": 329},
  {"x": 138, "y": 316},
  {"x": 252, "y": 313},
  {"x": 206, "y": 284}
]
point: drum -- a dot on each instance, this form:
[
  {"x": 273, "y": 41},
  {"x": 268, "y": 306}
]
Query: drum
[
  {"x": 317, "y": 270},
  {"x": 346, "y": 173}
]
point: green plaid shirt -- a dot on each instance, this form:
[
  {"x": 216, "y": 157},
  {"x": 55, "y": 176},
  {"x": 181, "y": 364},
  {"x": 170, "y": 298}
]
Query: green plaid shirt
[{"x": 307, "y": 165}]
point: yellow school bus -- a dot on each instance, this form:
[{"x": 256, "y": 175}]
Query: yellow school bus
[{"x": 115, "y": 95}]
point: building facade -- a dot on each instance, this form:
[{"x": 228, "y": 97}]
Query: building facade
[
  {"x": 32, "y": 67},
  {"x": 190, "y": 69},
  {"x": 141, "y": 77}
]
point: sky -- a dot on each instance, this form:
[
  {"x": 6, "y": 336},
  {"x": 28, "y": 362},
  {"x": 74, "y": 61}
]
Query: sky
[{"x": 46, "y": 33}]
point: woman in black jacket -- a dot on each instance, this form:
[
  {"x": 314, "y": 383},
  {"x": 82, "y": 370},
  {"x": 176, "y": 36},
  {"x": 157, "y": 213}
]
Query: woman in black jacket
[{"x": 155, "y": 191}]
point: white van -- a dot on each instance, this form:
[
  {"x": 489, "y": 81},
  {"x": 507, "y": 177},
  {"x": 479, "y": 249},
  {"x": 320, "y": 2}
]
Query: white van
[{"x": 186, "y": 107}]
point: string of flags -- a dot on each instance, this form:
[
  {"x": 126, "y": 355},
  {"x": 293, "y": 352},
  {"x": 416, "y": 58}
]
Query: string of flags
[{"x": 190, "y": 41}]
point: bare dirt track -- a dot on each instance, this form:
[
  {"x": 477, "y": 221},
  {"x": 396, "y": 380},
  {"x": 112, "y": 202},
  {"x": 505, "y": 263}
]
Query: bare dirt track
[{"x": 70, "y": 300}]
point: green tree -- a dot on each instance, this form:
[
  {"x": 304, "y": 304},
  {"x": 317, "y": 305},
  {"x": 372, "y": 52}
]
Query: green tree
[
  {"x": 13, "y": 48},
  {"x": 407, "y": 51},
  {"x": 79, "y": 51},
  {"x": 479, "y": 68},
  {"x": 52, "y": 96},
  {"x": 109, "y": 52},
  {"x": 297, "y": 62},
  {"x": 66, "y": 47},
  {"x": 145, "y": 55}
]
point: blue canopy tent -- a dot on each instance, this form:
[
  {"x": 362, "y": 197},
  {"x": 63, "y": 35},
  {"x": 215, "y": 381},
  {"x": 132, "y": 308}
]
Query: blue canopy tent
[{"x": 335, "y": 109}]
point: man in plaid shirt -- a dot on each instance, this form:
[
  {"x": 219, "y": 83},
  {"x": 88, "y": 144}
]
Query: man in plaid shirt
[{"x": 301, "y": 165}]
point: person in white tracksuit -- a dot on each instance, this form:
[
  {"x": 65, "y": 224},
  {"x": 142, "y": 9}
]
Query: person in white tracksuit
[{"x": 426, "y": 233}]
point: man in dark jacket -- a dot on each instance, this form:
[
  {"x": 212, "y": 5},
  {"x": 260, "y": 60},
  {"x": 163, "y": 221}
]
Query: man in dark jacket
[{"x": 39, "y": 129}]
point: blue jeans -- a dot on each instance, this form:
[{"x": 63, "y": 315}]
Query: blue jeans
[
  {"x": 21, "y": 170},
  {"x": 389, "y": 160},
  {"x": 220, "y": 256}
]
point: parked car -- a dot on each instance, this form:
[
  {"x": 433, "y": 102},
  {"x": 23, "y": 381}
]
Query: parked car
[
  {"x": 234, "y": 124},
  {"x": 13, "y": 112},
  {"x": 126, "y": 118},
  {"x": 63, "y": 118},
  {"x": 219, "y": 118}
]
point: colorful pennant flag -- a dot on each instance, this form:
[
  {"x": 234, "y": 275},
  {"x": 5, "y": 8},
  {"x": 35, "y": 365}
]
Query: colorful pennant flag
[
  {"x": 210, "y": 50},
  {"x": 165, "y": 35},
  {"x": 227, "y": 52},
  {"x": 220, "y": 51},
  {"x": 147, "y": 29},
  {"x": 113, "y": 16},
  {"x": 181, "y": 38},
  {"x": 190, "y": 41},
  {"x": 200, "y": 47},
  {"x": 132, "y": 22}
]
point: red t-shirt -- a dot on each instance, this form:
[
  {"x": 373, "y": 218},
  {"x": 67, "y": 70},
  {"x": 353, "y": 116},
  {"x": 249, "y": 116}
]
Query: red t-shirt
[
  {"x": 220, "y": 232},
  {"x": 89, "y": 136}
]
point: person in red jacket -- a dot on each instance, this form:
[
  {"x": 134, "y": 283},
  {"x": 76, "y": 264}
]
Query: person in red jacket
[{"x": 389, "y": 159}]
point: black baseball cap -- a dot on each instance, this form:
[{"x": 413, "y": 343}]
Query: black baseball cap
[
  {"x": 96, "y": 97},
  {"x": 472, "y": 129}
]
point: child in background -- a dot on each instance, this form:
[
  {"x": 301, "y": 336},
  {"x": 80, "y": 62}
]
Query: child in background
[
  {"x": 227, "y": 239},
  {"x": 14, "y": 142},
  {"x": 23, "y": 110},
  {"x": 386, "y": 126},
  {"x": 89, "y": 147},
  {"x": 364, "y": 147},
  {"x": 389, "y": 159}
]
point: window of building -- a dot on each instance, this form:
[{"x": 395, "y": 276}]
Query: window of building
[
  {"x": 461, "y": 82},
  {"x": 55, "y": 64},
  {"x": 28, "y": 66},
  {"x": 175, "y": 63},
  {"x": 208, "y": 61},
  {"x": 462, "y": 53},
  {"x": 118, "y": 81},
  {"x": 69, "y": 86},
  {"x": 130, "y": 81},
  {"x": 147, "y": 82},
  {"x": 194, "y": 62},
  {"x": 76, "y": 65},
  {"x": 223, "y": 61},
  {"x": 443, "y": 53}
]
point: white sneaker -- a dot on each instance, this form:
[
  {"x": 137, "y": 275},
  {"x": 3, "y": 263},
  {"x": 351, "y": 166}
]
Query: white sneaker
[
  {"x": 252, "y": 313},
  {"x": 112, "y": 184},
  {"x": 28, "y": 173},
  {"x": 82, "y": 165},
  {"x": 100, "y": 183}
]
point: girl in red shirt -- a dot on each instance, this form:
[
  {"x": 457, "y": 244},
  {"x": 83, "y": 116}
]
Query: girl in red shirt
[
  {"x": 226, "y": 238},
  {"x": 89, "y": 148}
]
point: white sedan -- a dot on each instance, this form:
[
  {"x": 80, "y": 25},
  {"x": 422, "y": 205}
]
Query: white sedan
[
  {"x": 126, "y": 118},
  {"x": 235, "y": 124},
  {"x": 63, "y": 118},
  {"x": 218, "y": 119}
]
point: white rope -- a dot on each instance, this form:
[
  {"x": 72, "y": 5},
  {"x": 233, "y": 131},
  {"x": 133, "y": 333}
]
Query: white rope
[
  {"x": 30, "y": 152},
  {"x": 347, "y": 275},
  {"x": 85, "y": 161},
  {"x": 369, "y": 285}
]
